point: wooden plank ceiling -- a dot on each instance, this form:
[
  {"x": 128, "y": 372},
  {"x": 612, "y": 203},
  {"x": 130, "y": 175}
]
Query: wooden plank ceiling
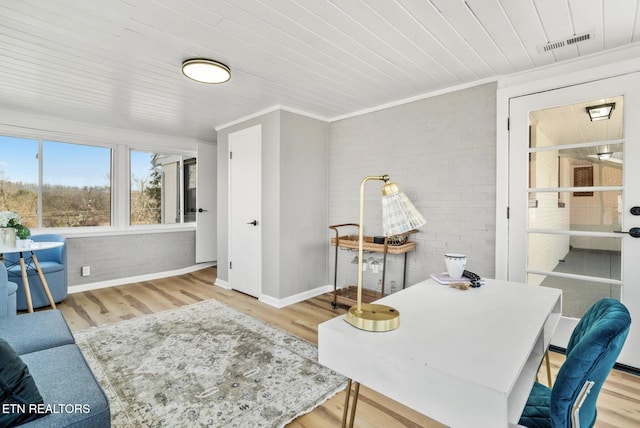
[{"x": 117, "y": 62}]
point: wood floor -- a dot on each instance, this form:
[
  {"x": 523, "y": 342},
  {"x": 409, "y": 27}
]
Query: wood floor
[{"x": 618, "y": 403}]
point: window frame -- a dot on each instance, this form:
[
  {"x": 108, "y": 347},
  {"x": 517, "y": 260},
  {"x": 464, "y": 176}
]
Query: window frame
[
  {"x": 120, "y": 179},
  {"x": 182, "y": 155}
]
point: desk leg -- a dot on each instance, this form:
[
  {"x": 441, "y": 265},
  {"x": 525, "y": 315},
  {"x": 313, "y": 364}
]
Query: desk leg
[
  {"x": 43, "y": 280},
  {"x": 546, "y": 357},
  {"x": 356, "y": 392},
  {"x": 25, "y": 284}
]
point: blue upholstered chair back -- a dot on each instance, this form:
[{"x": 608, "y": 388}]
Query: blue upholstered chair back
[
  {"x": 4, "y": 278},
  {"x": 58, "y": 255},
  {"x": 54, "y": 266},
  {"x": 592, "y": 351},
  {"x": 7, "y": 294}
]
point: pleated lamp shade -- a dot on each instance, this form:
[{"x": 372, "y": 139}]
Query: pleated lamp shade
[{"x": 399, "y": 215}]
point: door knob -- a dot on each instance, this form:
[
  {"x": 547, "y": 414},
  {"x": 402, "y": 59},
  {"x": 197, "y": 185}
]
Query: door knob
[
  {"x": 200, "y": 210},
  {"x": 254, "y": 222},
  {"x": 634, "y": 232}
]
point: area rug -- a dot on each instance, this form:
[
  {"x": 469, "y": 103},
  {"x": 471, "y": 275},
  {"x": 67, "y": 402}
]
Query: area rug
[{"x": 205, "y": 365}]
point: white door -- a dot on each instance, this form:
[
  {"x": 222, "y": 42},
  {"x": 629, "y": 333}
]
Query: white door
[
  {"x": 572, "y": 188},
  {"x": 245, "y": 253},
  {"x": 206, "y": 218}
]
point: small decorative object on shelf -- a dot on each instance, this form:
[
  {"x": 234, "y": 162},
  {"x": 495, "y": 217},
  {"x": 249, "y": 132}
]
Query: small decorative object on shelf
[
  {"x": 397, "y": 240},
  {"x": 394, "y": 287}
]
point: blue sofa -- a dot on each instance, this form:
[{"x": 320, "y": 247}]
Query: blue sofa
[
  {"x": 53, "y": 263},
  {"x": 46, "y": 345}
]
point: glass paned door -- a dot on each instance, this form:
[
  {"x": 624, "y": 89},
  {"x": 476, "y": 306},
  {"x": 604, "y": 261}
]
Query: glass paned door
[
  {"x": 571, "y": 192},
  {"x": 574, "y": 196}
]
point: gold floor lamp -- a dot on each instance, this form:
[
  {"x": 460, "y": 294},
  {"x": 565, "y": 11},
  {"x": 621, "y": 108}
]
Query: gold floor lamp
[{"x": 399, "y": 216}]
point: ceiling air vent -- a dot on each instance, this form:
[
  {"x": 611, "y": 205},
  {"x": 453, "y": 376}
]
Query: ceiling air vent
[{"x": 569, "y": 41}]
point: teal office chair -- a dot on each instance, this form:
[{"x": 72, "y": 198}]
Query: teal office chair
[{"x": 592, "y": 351}]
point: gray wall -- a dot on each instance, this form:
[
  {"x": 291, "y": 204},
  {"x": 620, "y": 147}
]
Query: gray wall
[
  {"x": 294, "y": 202},
  {"x": 304, "y": 168},
  {"x": 441, "y": 151},
  {"x": 113, "y": 257}
]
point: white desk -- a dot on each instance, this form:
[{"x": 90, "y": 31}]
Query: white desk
[
  {"x": 464, "y": 358},
  {"x": 35, "y": 246}
]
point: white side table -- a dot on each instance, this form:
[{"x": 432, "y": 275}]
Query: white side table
[{"x": 35, "y": 246}]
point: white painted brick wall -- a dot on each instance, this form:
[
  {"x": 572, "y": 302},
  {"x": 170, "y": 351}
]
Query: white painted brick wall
[{"x": 441, "y": 151}]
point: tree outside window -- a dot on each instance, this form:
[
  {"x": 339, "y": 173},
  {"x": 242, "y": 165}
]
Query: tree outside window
[
  {"x": 74, "y": 189},
  {"x": 157, "y": 193}
]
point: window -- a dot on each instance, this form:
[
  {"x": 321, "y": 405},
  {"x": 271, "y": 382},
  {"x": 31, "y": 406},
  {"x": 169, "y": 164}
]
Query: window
[
  {"x": 19, "y": 188},
  {"x": 162, "y": 187},
  {"x": 56, "y": 184},
  {"x": 583, "y": 177},
  {"x": 76, "y": 185},
  {"x": 59, "y": 184},
  {"x": 190, "y": 190}
]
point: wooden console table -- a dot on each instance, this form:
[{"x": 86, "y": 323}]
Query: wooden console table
[{"x": 347, "y": 295}]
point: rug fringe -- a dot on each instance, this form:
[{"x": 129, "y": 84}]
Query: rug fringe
[{"x": 320, "y": 402}]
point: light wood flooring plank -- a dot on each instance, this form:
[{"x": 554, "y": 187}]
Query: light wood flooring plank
[{"x": 618, "y": 404}]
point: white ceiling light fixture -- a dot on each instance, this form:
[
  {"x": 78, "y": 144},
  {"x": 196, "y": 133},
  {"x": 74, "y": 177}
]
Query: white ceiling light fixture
[
  {"x": 600, "y": 112},
  {"x": 206, "y": 70}
]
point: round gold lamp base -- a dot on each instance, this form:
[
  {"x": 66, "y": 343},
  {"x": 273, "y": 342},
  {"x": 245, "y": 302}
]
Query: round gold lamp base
[{"x": 373, "y": 317}]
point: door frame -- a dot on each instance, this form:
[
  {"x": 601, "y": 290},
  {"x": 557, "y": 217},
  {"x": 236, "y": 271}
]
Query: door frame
[
  {"x": 206, "y": 199},
  {"x": 630, "y": 293},
  {"x": 602, "y": 66}
]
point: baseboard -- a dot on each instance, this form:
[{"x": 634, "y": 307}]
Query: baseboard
[
  {"x": 618, "y": 366},
  {"x": 296, "y": 298},
  {"x": 222, "y": 283},
  {"x": 628, "y": 369},
  {"x": 271, "y": 301},
  {"x": 139, "y": 278}
]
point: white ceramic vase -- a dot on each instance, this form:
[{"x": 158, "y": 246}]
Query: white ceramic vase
[{"x": 7, "y": 236}]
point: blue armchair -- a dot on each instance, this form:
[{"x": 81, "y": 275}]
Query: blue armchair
[
  {"x": 54, "y": 267},
  {"x": 592, "y": 351},
  {"x": 7, "y": 294}
]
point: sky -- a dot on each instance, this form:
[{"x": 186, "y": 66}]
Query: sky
[{"x": 64, "y": 164}]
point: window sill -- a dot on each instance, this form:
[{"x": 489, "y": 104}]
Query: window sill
[{"x": 86, "y": 232}]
